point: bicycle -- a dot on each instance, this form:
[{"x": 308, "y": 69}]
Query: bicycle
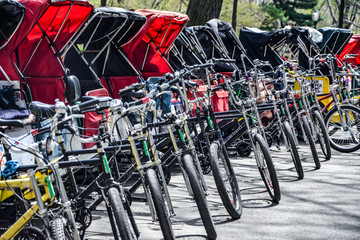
[{"x": 52, "y": 206}]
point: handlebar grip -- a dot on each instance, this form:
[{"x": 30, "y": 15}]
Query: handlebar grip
[
  {"x": 87, "y": 104},
  {"x": 165, "y": 86},
  {"x": 173, "y": 82},
  {"x": 137, "y": 102},
  {"x": 191, "y": 84},
  {"x": 199, "y": 66},
  {"x": 135, "y": 86}
]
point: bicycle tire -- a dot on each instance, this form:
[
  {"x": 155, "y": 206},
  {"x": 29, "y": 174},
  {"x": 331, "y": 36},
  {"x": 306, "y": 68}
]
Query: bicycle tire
[
  {"x": 119, "y": 213},
  {"x": 267, "y": 170},
  {"x": 58, "y": 230},
  {"x": 311, "y": 141},
  {"x": 229, "y": 193},
  {"x": 293, "y": 149},
  {"x": 335, "y": 131},
  {"x": 199, "y": 196},
  {"x": 322, "y": 134},
  {"x": 30, "y": 232},
  {"x": 159, "y": 203}
]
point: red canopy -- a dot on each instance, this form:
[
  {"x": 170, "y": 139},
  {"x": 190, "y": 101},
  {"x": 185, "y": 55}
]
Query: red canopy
[
  {"x": 35, "y": 47},
  {"x": 58, "y": 22},
  {"x": 148, "y": 50},
  {"x": 353, "y": 47}
]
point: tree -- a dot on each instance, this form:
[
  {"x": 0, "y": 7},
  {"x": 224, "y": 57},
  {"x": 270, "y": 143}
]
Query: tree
[
  {"x": 343, "y": 13},
  {"x": 234, "y": 14},
  {"x": 295, "y": 11},
  {"x": 201, "y": 11}
]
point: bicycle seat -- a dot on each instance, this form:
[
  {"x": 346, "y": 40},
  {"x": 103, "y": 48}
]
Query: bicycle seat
[
  {"x": 11, "y": 123},
  {"x": 42, "y": 109}
]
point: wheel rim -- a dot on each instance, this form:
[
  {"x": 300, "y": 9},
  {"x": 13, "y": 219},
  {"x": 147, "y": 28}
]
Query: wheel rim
[
  {"x": 292, "y": 154},
  {"x": 344, "y": 137},
  {"x": 228, "y": 181},
  {"x": 320, "y": 136},
  {"x": 265, "y": 174}
]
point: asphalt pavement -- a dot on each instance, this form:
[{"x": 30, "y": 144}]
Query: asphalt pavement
[{"x": 323, "y": 205}]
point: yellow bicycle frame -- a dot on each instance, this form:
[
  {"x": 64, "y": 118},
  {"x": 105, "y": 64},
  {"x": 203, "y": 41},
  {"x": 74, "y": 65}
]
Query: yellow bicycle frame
[{"x": 42, "y": 179}]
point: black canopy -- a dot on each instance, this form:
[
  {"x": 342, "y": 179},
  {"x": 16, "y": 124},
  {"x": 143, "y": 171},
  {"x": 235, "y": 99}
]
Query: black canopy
[
  {"x": 232, "y": 43},
  {"x": 334, "y": 40},
  {"x": 97, "y": 52},
  {"x": 11, "y": 15},
  {"x": 186, "y": 51},
  {"x": 262, "y": 44},
  {"x": 301, "y": 45},
  {"x": 213, "y": 47}
]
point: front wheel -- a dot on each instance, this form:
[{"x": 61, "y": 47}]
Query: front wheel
[
  {"x": 225, "y": 180},
  {"x": 58, "y": 230},
  {"x": 266, "y": 168},
  {"x": 322, "y": 134},
  {"x": 311, "y": 141},
  {"x": 118, "y": 210},
  {"x": 293, "y": 149},
  {"x": 160, "y": 207},
  {"x": 199, "y": 196},
  {"x": 344, "y": 136}
]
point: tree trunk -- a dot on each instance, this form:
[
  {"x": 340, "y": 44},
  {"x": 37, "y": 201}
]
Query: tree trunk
[
  {"x": 331, "y": 9},
  {"x": 341, "y": 13},
  {"x": 201, "y": 11},
  {"x": 103, "y": 3},
  {"x": 234, "y": 14}
]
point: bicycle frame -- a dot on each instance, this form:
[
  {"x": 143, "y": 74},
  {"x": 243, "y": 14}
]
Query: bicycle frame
[{"x": 140, "y": 133}]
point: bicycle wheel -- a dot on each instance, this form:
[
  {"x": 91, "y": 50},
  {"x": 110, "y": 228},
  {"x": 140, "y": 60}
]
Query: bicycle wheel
[
  {"x": 199, "y": 196},
  {"x": 30, "y": 233},
  {"x": 311, "y": 141},
  {"x": 266, "y": 168},
  {"x": 322, "y": 134},
  {"x": 119, "y": 213},
  {"x": 344, "y": 138},
  {"x": 225, "y": 181},
  {"x": 58, "y": 230},
  {"x": 293, "y": 149},
  {"x": 159, "y": 203}
]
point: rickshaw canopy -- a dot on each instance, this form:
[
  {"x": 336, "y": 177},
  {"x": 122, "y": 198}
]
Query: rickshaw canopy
[{"x": 148, "y": 51}]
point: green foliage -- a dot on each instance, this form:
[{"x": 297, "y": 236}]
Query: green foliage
[
  {"x": 291, "y": 11},
  {"x": 274, "y": 15},
  {"x": 248, "y": 14},
  {"x": 165, "y": 5}
]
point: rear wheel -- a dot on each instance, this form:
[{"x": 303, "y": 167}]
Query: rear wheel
[
  {"x": 344, "y": 138},
  {"x": 322, "y": 134},
  {"x": 311, "y": 141},
  {"x": 199, "y": 196},
  {"x": 266, "y": 168},
  {"x": 293, "y": 149},
  {"x": 119, "y": 213},
  {"x": 160, "y": 207},
  {"x": 225, "y": 180}
]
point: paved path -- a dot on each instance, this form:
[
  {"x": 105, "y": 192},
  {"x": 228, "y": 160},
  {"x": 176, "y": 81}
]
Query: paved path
[{"x": 324, "y": 205}]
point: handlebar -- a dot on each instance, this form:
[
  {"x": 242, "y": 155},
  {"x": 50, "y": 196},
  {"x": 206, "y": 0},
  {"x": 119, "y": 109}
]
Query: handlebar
[{"x": 128, "y": 89}]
